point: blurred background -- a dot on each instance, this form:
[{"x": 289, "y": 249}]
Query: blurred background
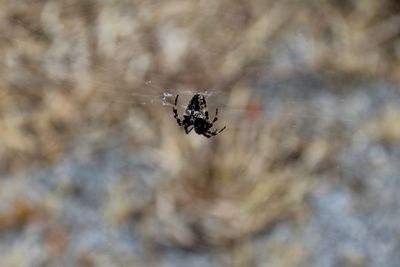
[{"x": 96, "y": 172}]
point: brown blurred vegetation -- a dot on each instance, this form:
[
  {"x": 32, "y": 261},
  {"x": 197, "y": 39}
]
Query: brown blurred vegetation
[
  {"x": 71, "y": 67},
  {"x": 58, "y": 56}
]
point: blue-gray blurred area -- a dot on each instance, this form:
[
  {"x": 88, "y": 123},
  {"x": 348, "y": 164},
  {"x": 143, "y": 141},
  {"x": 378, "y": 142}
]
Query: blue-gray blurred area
[{"x": 95, "y": 170}]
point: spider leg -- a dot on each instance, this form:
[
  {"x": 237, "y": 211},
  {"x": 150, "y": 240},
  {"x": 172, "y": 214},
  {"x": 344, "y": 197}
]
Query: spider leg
[
  {"x": 210, "y": 125},
  {"x": 176, "y": 117},
  {"x": 187, "y": 131},
  {"x": 219, "y": 130},
  {"x": 216, "y": 116},
  {"x": 176, "y": 112},
  {"x": 216, "y": 131},
  {"x": 207, "y": 134}
]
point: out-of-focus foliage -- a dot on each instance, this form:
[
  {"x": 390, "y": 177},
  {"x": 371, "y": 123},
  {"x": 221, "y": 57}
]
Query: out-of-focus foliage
[
  {"x": 65, "y": 61},
  {"x": 79, "y": 70}
]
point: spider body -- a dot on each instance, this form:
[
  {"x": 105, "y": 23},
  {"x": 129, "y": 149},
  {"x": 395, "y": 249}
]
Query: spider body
[{"x": 196, "y": 117}]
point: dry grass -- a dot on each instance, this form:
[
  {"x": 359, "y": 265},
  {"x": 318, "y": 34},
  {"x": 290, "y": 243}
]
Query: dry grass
[
  {"x": 71, "y": 67},
  {"x": 217, "y": 192},
  {"x": 66, "y": 64}
]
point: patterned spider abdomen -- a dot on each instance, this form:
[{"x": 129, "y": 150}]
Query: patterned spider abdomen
[{"x": 197, "y": 107}]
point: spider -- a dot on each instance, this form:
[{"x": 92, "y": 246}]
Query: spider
[{"x": 196, "y": 115}]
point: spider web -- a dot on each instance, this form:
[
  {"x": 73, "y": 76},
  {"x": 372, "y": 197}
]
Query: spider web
[
  {"x": 277, "y": 99},
  {"x": 307, "y": 111}
]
